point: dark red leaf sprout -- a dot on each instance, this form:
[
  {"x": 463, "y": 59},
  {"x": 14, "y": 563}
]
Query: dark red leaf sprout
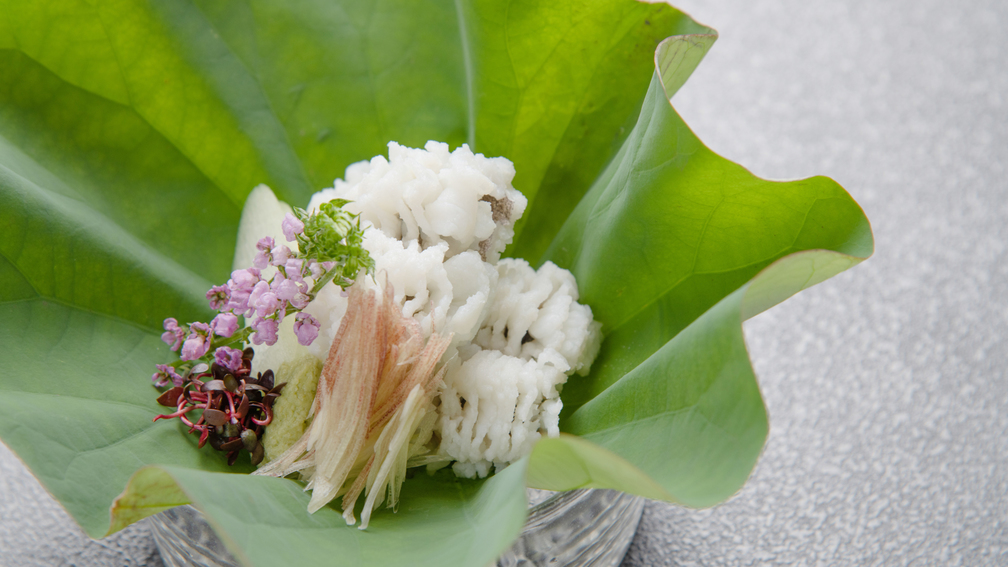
[{"x": 225, "y": 406}]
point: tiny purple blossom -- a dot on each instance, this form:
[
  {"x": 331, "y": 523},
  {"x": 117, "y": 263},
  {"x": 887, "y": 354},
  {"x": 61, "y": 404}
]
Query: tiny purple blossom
[
  {"x": 224, "y": 325},
  {"x": 276, "y": 280},
  {"x": 218, "y": 297},
  {"x": 280, "y": 255},
  {"x": 291, "y": 227},
  {"x": 285, "y": 289},
  {"x": 197, "y": 343},
  {"x": 262, "y": 259},
  {"x": 165, "y": 375},
  {"x": 238, "y": 303},
  {"x": 230, "y": 358},
  {"x": 267, "y": 304},
  {"x": 295, "y": 269},
  {"x": 265, "y": 244},
  {"x": 241, "y": 284},
  {"x": 306, "y": 328},
  {"x": 300, "y": 301},
  {"x": 265, "y": 256},
  {"x": 265, "y": 331},
  {"x": 244, "y": 280},
  {"x": 174, "y": 334},
  {"x": 253, "y": 298}
]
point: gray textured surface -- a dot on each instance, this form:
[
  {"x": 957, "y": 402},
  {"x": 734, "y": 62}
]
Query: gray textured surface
[
  {"x": 36, "y": 532},
  {"x": 885, "y": 386}
]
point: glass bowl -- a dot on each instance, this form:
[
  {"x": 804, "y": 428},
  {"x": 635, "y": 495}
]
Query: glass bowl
[{"x": 575, "y": 528}]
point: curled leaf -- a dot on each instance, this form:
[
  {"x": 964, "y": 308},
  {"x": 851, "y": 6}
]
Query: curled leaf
[{"x": 121, "y": 191}]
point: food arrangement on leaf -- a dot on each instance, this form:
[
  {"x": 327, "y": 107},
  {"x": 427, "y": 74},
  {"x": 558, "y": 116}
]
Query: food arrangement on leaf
[{"x": 551, "y": 296}]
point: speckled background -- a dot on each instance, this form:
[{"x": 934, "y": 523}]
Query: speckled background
[{"x": 886, "y": 385}]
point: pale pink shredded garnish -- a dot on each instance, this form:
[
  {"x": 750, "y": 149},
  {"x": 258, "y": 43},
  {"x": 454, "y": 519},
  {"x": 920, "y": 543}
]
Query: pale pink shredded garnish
[{"x": 373, "y": 395}]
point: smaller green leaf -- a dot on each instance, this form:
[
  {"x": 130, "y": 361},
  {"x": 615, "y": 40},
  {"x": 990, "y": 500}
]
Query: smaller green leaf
[
  {"x": 440, "y": 520},
  {"x": 150, "y": 490},
  {"x": 568, "y": 462}
]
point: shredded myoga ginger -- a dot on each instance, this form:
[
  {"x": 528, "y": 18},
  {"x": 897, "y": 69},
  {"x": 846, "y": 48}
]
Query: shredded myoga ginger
[{"x": 372, "y": 409}]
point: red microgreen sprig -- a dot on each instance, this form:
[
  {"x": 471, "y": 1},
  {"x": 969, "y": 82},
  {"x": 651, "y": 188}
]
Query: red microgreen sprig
[{"x": 234, "y": 408}]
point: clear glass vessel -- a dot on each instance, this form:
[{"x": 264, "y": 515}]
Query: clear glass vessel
[{"x": 576, "y": 528}]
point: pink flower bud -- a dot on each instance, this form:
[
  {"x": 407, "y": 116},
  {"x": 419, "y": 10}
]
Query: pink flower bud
[
  {"x": 230, "y": 358},
  {"x": 194, "y": 347},
  {"x": 306, "y": 328},
  {"x": 197, "y": 343},
  {"x": 295, "y": 269},
  {"x": 240, "y": 285},
  {"x": 253, "y": 298},
  {"x": 265, "y": 244},
  {"x": 285, "y": 289},
  {"x": 280, "y": 255},
  {"x": 265, "y": 331},
  {"x": 244, "y": 280},
  {"x": 291, "y": 227},
  {"x": 166, "y": 375},
  {"x": 316, "y": 269},
  {"x": 174, "y": 334},
  {"x": 267, "y": 304},
  {"x": 218, "y": 297},
  {"x": 299, "y": 301},
  {"x": 265, "y": 255},
  {"x": 224, "y": 325}
]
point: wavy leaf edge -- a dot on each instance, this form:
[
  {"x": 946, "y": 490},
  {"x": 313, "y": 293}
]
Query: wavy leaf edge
[{"x": 675, "y": 59}]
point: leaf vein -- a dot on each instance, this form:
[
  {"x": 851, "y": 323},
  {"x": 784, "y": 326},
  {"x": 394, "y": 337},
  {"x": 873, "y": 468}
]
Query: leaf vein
[
  {"x": 268, "y": 101},
  {"x": 468, "y": 64},
  {"x": 568, "y": 125}
]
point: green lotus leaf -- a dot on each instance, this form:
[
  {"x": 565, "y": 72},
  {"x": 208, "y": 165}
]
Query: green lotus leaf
[{"x": 131, "y": 133}]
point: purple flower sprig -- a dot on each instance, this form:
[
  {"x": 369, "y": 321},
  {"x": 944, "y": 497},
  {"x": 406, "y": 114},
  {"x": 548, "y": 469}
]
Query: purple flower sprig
[
  {"x": 281, "y": 282},
  {"x": 198, "y": 343}
]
